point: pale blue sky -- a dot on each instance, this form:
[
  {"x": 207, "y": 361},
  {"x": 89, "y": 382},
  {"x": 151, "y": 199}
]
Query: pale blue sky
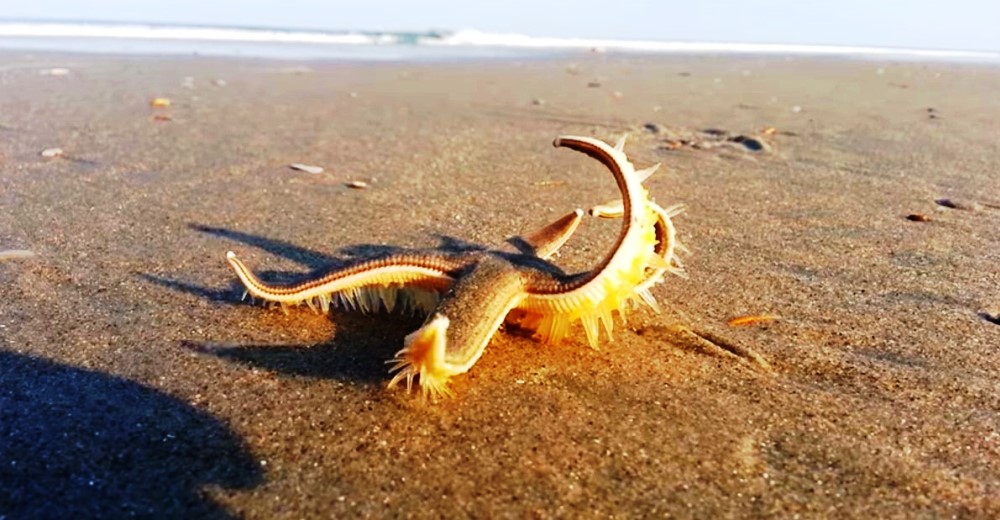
[{"x": 936, "y": 24}]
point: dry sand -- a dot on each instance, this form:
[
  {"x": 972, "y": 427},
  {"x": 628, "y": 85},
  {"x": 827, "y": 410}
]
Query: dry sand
[{"x": 133, "y": 380}]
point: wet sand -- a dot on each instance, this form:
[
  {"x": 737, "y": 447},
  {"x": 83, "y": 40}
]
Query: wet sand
[{"x": 133, "y": 380}]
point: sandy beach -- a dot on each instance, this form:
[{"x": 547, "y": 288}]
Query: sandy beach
[{"x": 854, "y": 203}]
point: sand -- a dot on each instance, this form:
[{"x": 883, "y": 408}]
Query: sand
[{"x": 133, "y": 380}]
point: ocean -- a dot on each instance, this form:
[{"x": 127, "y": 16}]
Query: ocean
[{"x": 271, "y": 43}]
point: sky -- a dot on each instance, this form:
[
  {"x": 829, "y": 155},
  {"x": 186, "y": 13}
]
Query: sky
[{"x": 923, "y": 24}]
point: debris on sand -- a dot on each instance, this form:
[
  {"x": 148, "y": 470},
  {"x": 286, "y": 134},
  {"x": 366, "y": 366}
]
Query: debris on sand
[
  {"x": 991, "y": 315},
  {"x": 306, "y": 168},
  {"x": 671, "y": 138},
  {"x": 749, "y": 321},
  {"x": 51, "y": 152},
  {"x": 956, "y": 204},
  {"x": 751, "y": 143}
]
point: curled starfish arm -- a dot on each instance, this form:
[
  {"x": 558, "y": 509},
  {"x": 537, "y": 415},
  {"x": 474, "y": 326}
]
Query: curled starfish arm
[
  {"x": 456, "y": 334},
  {"x": 413, "y": 279},
  {"x": 553, "y": 303}
]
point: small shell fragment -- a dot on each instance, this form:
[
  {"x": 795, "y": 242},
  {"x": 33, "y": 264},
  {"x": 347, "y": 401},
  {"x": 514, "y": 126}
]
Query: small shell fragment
[
  {"x": 749, "y": 321},
  {"x": 15, "y": 254},
  {"x": 51, "y": 152},
  {"x": 770, "y": 130},
  {"x": 57, "y": 71},
  {"x": 160, "y": 102},
  {"x": 306, "y": 168},
  {"x": 357, "y": 185},
  {"x": 918, "y": 217}
]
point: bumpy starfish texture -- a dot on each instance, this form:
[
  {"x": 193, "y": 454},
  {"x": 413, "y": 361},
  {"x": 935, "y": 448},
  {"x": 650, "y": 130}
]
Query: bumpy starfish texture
[{"x": 469, "y": 295}]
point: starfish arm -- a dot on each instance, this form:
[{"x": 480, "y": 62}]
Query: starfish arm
[
  {"x": 413, "y": 278},
  {"x": 456, "y": 334},
  {"x": 546, "y": 241}
]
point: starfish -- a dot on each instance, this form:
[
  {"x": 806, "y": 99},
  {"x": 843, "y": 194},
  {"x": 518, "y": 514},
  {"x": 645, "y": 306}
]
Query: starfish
[{"x": 467, "y": 296}]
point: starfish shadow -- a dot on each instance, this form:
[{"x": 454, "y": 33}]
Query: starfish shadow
[
  {"x": 228, "y": 296},
  {"x": 83, "y": 444},
  {"x": 300, "y": 255},
  {"x": 357, "y": 352}
]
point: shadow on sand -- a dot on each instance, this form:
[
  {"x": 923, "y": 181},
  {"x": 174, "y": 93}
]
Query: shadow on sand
[
  {"x": 76, "y": 443},
  {"x": 358, "y": 352}
]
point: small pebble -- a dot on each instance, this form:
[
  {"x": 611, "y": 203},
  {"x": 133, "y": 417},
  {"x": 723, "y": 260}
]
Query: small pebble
[
  {"x": 219, "y": 83},
  {"x": 954, "y": 204},
  {"x": 750, "y": 143},
  {"x": 918, "y": 217},
  {"x": 306, "y": 168},
  {"x": 160, "y": 102},
  {"x": 357, "y": 185},
  {"x": 538, "y": 102},
  {"x": 653, "y": 128},
  {"x": 58, "y": 71},
  {"x": 796, "y": 109},
  {"x": 990, "y": 315},
  {"x": 51, "y": 152},
  {"x": 594, "y": 84}
]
